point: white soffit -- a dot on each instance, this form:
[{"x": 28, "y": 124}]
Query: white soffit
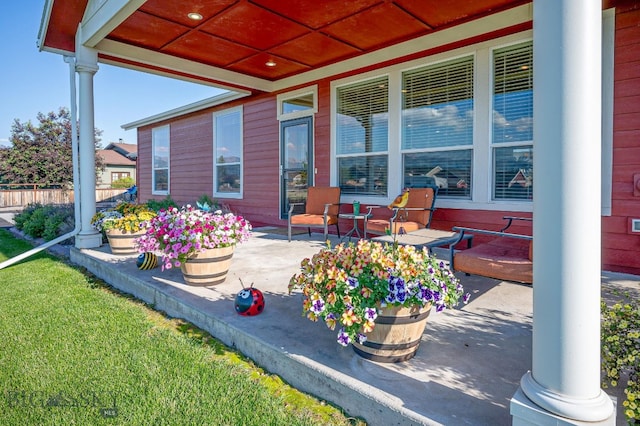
[
  {"x": 103, "y": 16},
  {"x": 186, "y": 109},
  {"x": 172, "y": 63}
]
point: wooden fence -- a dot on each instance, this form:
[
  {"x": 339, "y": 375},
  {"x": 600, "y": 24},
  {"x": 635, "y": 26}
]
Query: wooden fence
[{"x": 19, "y": 198}]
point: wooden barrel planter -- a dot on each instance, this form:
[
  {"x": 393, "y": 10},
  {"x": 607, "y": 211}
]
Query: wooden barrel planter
[
  {"x": 397, "y": 334},
  {"x": 123, "y": 243},
  {"x": 208, "y": 267}
]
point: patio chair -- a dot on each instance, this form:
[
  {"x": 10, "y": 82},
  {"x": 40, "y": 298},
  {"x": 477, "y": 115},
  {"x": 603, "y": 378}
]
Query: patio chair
[
  {"x": 416, "y": 214},
  {"x": 321, "y": 210},
  {"x": 507, "y": 256}
]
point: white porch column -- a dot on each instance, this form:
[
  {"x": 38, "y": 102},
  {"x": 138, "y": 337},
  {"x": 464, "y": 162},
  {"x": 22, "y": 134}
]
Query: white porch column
[
  {"x": 563, "y": 387},
  {"x": 86, "y": 67}
]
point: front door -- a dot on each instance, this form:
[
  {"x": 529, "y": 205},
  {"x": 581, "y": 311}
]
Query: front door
[{"x": 296, "y": 163}]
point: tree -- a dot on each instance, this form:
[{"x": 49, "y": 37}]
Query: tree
[{"x": 42, "y": 154}]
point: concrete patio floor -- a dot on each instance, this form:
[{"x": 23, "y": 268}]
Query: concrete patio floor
[{"x": 465, "y": 372}]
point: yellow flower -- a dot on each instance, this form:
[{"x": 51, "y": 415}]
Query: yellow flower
[
  {"x": 349, "y": 318},
  {"x": 368, "y": 326},
  {"x": 331, "y": 323}
]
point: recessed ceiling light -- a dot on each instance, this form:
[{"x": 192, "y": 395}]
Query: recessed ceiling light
[
  {"x": 270, "y": 63},
  {"x": 195, "y": 16}
]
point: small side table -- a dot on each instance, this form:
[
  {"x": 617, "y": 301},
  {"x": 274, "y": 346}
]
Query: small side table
[{"x": 355, "y": 230}]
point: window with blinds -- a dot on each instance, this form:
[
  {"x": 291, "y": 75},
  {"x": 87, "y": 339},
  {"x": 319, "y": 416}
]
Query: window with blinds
[
  {"x": 437, "y": 105},
  {"x": 362, "y": 137},
  {"x": 512, "y": 124},
  {"x": 437, "y": 127}
]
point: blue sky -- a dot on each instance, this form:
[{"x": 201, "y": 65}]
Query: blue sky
[{"x": 32, "y": 81}]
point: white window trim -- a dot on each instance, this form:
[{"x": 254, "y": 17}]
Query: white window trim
[
  {"x": 312, "y": 90},
  {"x": 227, "y": 195},
  {"x": 608, "y": 49},
  {"x": 482, "y": 153},
  {"x": 166, "y": 128}
]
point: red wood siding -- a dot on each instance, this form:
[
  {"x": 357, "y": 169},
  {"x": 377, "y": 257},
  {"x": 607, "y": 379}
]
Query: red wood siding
[
  {"x": 261, "y": 161},
  {"x": 191, "y": 163},
  {"x": 322, "y": 139},
  {"x": 621, "y": 248},
  {"x": 143, "y": 177}
]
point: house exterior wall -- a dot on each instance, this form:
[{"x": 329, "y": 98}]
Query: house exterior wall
[
  {"x": 620, "y": 247},
  {"x": 104, "y": 180},
  {"x": 191, "y": 172}
]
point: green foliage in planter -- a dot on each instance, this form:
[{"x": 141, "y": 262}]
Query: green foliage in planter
[
  {"x": 125, "y": 182},
  {"x": 213, "y": 204},
  {"x": 165, "y": 203},
  {"x": 621, "y": 351}
]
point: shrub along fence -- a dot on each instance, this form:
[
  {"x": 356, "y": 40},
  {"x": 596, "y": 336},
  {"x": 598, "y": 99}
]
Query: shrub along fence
[{"x": 19, "y": 196}]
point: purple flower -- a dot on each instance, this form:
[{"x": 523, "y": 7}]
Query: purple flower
[
  {"x": 343, "y": 338},
  {"x": 353, "y": 282},
  {"x": 370, "y": 314},
  {"x": 317, "y": 306}
]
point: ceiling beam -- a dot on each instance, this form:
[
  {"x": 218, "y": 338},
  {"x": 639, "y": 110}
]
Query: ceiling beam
[
  {"x": 103, "y": 16},
  {"x": 179, "y": 65}
]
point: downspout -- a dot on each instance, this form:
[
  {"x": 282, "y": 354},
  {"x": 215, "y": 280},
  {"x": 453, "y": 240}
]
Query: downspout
[{"x": 76, "y": 173}]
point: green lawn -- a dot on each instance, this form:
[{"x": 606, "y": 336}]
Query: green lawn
[{"x": 73, "y": 352}]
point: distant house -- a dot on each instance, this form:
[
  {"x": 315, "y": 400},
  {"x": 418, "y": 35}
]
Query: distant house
[{"x": 119, "y": 161}]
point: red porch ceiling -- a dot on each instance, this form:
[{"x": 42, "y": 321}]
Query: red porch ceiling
[{"x": 243, "y": 35}]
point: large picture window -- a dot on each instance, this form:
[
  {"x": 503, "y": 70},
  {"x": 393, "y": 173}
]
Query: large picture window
[
  {"x": 362, "y": 137},
  {"x": 227, "y": 148},
  {"x": 437, "y": 127},
  {"x": 160, "y": 174},
  {"x": 512, "y": 124}
]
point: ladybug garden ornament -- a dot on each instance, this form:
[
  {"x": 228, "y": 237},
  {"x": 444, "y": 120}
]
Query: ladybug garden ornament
[{"x": 249, "y": 301}]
